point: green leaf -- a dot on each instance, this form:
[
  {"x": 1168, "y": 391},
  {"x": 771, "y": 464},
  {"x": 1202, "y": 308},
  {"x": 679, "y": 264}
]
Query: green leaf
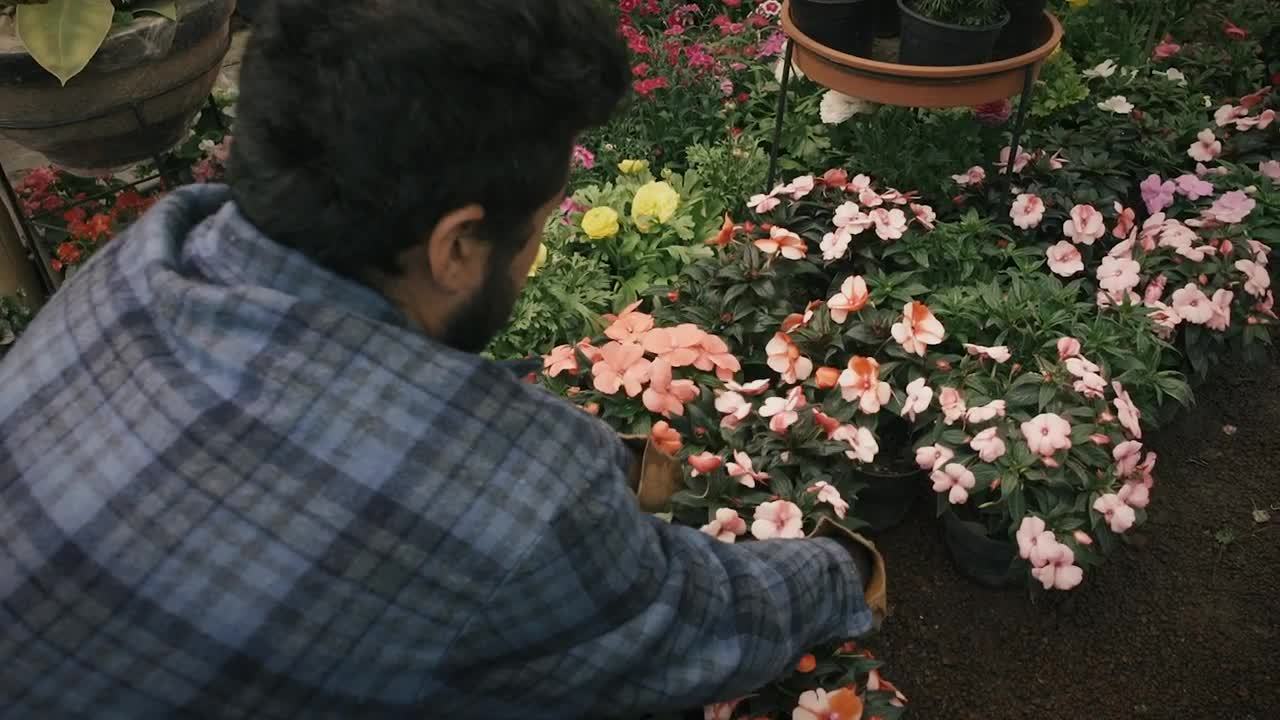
[
  {"x": 164, "y": 8},
  {"x": 64, "y": 35}
]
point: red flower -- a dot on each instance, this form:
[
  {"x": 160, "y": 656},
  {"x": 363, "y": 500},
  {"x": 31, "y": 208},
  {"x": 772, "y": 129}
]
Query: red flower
[
  {"x": 56, "y": 265},
  {"x": 52, "y": 202},
  {"x": 75, "y": 215},
  {"x": 1233, "y": 31},
  {"x": 743, "y": 98},
  {"x": 640, "y": 70},
  {"x": 69, "y": 253},
  {"x": 645, "y": 88},
  {"x": 133, "y": 202}
]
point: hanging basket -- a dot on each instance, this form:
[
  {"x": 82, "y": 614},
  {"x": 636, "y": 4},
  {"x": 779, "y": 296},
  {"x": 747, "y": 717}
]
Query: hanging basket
[{"x": 134, "y": 100}]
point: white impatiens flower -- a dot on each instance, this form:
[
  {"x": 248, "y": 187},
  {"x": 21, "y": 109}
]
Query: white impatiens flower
[
  {"x": 1103, "y": 70},
  {"x": 1172, "y": 75},
  {"x": 1119, "y": 105},
  {"x": 837, "y": 107}
]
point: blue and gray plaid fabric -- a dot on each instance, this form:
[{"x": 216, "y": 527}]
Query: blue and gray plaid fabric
[{"x": 234, "y": 485}]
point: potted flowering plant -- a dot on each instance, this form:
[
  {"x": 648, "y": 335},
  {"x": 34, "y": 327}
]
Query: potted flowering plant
[
  {"x": 64, "y": 65},
  {"x": 950, "y": 32}
]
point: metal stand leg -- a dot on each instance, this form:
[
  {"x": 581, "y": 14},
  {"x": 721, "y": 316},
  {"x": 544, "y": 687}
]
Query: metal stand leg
[
  {"x": 1019, "y": 123},
  {"x": 782, "y": 114},
  {"x": 27, "y": 234}
]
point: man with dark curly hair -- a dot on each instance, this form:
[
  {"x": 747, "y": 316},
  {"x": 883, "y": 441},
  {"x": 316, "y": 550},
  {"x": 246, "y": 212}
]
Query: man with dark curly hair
[{"x": 251, "y": 465}]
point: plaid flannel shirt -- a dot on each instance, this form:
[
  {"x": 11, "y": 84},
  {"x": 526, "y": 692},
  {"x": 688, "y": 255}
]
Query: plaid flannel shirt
[{"x": 235, "y": 485}]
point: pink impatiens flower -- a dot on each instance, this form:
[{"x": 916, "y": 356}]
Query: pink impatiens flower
[
  {"x": 853, "y": 296},
  {"x": 819, "y": 704},
  {"x": 924, "y": 215},
  {"x": 973, "y": 176},
  {"x": 782, "y": 241},
  {"x": 1231, "y": 208},
  {"x": 1166, "y": 49},
  {"x": 1047, "y": 434},
  {"x": 1257, "y": 279},
  {"x": 988, "y": 445},
  {"x": 1019, "y": 163},
  {"x": 918, "y": 329},
  {"x": 734, "y": 407},
  {"x": 860, "y": 383},
  {"x": 1221, "y": 319},
  {"x": 800, "y": 187},
  {"x": 1127, "y": 456},
  {"x": 1271, "y": 169},
  {"x": 665, "y": 438},
  {"x": 704, "y": 463},
  {"x": 1060, "y": 571},
  {"x": 1125, "y": 221},
  {"x": 1027, "y": 211},
  {"x": 828, "y": 493},
  {"x": 835, "y": 245},
  {"x": 679, "y": 346},
  {"x": 713, "y": 353},
  {"x": 932, "y": 457},
  {"x": 1085, "y": 226},
  {"x": 561, "y": 360},
  {"x": 621, "y": 365},
  {"x": 778, "y": 519},
  {"x": 956, "y": 480},
  {"x": 1157, "y": 194},
  {"x": 1065, "y": 259},
  {"x": 1035, "y": 542},
  {"x": 782, "y": 413},
  {"x": 1120, "y": 517},
  {"x": 786, "y": 360},
  {"x": 1192, "y": 304},
  {"x": 666, "y": 396},
  {"x": 762, "y": 204},
  {"x": 952, "y": 404},
  {"x": 1127, "y": 412},
  {"x": 985, "y": 413},
  {"x": 890, "y": 224},
  {"x": 1068, "y": 348},
  {"x": 1117, "y": 275},
  {"x": 751, "y": 389},
  {"x": 742, "y": 469},
  {"x": 1192, "y": 187},
  {"x": 919, "y": 395},
  {"x": 860, "y": 439},
  {"x": 1206, "y": 148},
  {"x": 727, "y": 526},
  {"x": 999, "y": 354}
]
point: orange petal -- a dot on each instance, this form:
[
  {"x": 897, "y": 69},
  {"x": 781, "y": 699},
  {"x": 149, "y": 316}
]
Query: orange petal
[{"x": 846, "y": 704}]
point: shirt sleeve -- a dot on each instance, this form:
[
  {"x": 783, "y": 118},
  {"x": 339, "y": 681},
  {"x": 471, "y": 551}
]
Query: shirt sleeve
[{"x": 615, "y": 612}]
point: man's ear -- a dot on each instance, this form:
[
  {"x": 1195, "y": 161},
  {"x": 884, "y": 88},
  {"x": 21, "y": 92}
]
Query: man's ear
[{"x": 456, "y": 254}]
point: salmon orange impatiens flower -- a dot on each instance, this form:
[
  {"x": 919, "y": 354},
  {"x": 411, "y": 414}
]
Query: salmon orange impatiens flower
[
  {"x": 713, "y": 354},
  {"x": 742, "y": 469},
  {"x": 786, "y": 360},
  {"x": 782, "y": 413},
  {"x": 782, "y": 241},
  {"x": 621, "y": 365},
  {"x": 628, "y": 325},
  {"x": 666, "y": 438},
  {"x": 860, "y": 383},
  {"x": 918, "y": 329},
  {"x": 843, "y": 704},
  {"x": 853, "y": 296},
  {"x": 680, "y": 345},
  {"x": 666, "y": 396},
  {"x": 725, "y": 236}
]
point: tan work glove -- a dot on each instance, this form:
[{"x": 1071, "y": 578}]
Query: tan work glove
[
  {"x": 876, "y": 594},
  {"x": 654, "y": 475}
]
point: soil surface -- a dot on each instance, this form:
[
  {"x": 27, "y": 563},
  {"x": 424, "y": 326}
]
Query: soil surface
[{"x": 1182, "y": 623}]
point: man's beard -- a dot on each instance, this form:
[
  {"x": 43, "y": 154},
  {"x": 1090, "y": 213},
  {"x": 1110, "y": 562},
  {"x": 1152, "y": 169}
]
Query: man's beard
[{"x": 485, "y": 313}]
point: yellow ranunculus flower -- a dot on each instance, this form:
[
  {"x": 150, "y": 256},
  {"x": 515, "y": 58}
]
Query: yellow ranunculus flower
[
  {"x": 654, "y": 200},
  {"x": 1077, "y": 3},
  {"x": 633, "y": 167},
  {"x": 600, "y": 223},
  {"x": 539, "y": 261}
]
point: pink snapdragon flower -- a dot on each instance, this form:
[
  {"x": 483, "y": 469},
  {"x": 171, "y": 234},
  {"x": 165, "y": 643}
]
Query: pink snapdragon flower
[
  {"x": 1027, "y": 211},
  {"x": 1085, "y": 226},
  {"x": 726, "y": 527},
  {"x": 778, "y": 519},
  {"x": 956, "y": 480}
]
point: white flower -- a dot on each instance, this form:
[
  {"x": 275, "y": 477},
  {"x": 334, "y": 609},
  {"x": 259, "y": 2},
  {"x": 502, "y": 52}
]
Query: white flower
[
  {"x": 1119, "y": 105},
  {"x": 1172, "y": 75},
  {"x": 1208, "y": 101},
  {"x": 837, "y": 107},
  {"x": 1104, "y": 70},
  {"x": 795, "y": 71}
]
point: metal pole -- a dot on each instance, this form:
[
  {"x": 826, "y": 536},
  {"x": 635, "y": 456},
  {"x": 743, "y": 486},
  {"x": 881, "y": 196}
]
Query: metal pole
[
  {"x": 1019, "y": 123},
  {"x": 782, "y": 113}
]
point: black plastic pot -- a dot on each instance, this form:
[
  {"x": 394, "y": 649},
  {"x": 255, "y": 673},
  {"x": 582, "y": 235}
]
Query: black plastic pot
[
  {"x": 249, "y": 9},
  {"x": 932, "y": 43},
  {"x": 888, "y": 20},
  {"x": 1020, "y": 35},
  {"x": 848, "y": 26},
  {"x": 887, "y": 497},
  {"x": 989, "y": 562}
]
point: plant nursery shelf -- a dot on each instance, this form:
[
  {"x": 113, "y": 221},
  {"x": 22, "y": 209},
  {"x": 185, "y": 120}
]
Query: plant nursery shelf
[{"x": 920, "y": 86}]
